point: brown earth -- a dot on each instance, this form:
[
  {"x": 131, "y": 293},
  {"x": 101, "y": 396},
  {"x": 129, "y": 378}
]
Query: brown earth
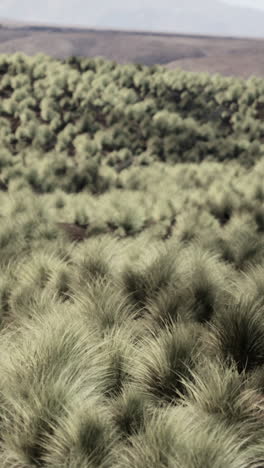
[
  {"x": 241, "y": 65},
  {"x": 229, "y": 56}
]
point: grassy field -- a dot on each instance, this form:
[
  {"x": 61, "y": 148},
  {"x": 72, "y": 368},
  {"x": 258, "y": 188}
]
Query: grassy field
[{"x": 131, "y": 270}]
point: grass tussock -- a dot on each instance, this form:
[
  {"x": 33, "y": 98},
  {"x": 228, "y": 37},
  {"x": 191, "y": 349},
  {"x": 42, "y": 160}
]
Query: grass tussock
[
  {"x": 131, "y": 287},
  {"x": 122, "y": 352}
]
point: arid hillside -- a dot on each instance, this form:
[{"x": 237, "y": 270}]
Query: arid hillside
[{"x": 229, "y": 56}]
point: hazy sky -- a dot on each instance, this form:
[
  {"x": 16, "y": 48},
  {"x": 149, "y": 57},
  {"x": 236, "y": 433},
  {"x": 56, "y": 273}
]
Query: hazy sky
[
  {"x": 224, "y": 17},
  {"x": 64, "y": 10},
  {"x": 247, "y": 3}
]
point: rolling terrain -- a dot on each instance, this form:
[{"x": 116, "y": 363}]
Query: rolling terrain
[{"x": 229, "y": 56}]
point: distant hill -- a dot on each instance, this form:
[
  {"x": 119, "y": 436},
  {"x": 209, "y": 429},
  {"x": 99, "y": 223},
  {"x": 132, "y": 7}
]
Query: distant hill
[{"x": 229, "y": 56}]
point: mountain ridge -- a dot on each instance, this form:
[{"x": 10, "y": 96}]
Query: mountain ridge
[{"x": 227, "y": 55}]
